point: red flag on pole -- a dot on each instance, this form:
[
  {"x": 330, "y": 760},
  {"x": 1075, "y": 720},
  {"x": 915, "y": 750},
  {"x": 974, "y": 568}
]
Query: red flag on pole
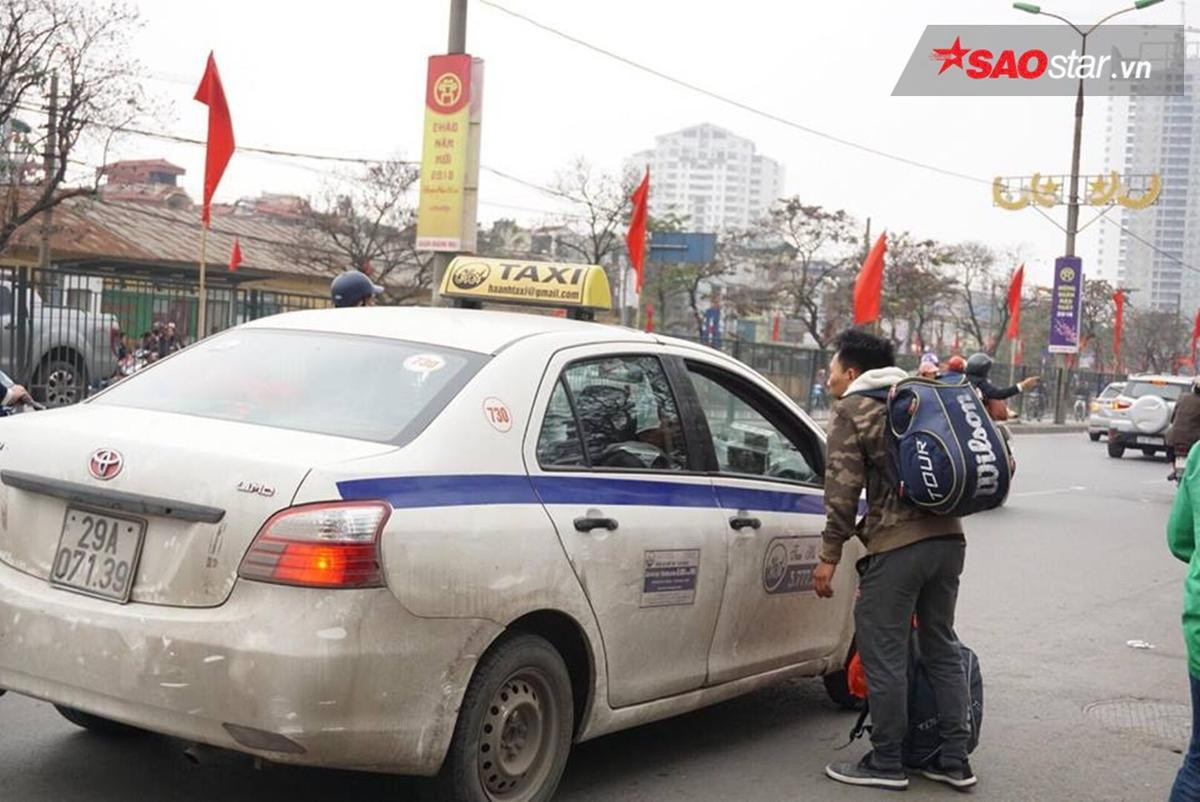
[
  {"x": 235, "y": 258},
  {"x": 650, "y": 317},
  {"x": 869, "y": 286},
  {"x": 220, "y": 133},
  {"x": 1195, "y": 335},
  {"x": 1118, "y": 327},
  {"x": 635, "y": 239},
  {"x": 775, "y": 330},
  {"x": 1014, "y": 303}
]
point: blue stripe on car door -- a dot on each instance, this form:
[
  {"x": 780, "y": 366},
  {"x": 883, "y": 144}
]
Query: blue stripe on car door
[{"x": 409, "y": 492}]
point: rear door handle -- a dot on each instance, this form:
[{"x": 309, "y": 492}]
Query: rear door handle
[
  {"x": 738, "y": 522},
  {"x": 588, "y": 524}
]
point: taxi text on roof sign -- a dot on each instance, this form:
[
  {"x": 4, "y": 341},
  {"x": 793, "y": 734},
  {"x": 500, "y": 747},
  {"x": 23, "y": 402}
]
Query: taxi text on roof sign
[{"x": 516, "y": 281}]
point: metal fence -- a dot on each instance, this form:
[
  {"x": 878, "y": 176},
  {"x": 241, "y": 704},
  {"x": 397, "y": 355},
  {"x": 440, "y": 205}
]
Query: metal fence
[
  {"x": 801, "y": 372},
  {"x": 62, "y": 331}
]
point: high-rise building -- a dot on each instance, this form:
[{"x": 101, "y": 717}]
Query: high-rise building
[
  {"x": 711, "y": 177},
  {"x": 1147, "y": 135}
]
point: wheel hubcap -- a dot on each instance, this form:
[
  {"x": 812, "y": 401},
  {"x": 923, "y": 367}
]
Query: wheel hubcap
[
  {"x": 61, "y": 388},
  {"x": 519, "y": 729}
]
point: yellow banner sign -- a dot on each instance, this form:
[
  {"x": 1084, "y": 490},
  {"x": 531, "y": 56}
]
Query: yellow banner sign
[
  {"x": 538, "y": 283},
  {"x": 440, "y": 217}
]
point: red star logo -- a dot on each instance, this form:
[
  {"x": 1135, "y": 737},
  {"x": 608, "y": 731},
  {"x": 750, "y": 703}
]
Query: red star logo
[{"x": 950, "y": 56}]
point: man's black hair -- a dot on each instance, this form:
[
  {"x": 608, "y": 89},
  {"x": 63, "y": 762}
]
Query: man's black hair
[{"x": 862, "y": 351}]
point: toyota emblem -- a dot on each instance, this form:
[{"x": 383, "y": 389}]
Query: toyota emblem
[{"x": 105, "y": 463}]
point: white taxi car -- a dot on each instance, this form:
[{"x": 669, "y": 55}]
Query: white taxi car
[{"x": 441, "y": 542}]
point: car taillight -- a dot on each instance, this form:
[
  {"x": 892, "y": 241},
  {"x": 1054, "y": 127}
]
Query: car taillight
[
  {"x": 1121, "y": 405},
  {"x": 329, "y": 545}
]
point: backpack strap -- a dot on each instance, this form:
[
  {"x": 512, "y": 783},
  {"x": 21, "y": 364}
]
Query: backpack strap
[{"x": 861, "y": 727}]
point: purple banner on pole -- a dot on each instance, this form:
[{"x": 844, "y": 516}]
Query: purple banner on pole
[{"x": 1065, "y": 305}]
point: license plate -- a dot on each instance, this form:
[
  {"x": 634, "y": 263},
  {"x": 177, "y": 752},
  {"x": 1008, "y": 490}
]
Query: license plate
[
  {"x": 1150, "y": 441},
  {"x": 98, "y": 554}
]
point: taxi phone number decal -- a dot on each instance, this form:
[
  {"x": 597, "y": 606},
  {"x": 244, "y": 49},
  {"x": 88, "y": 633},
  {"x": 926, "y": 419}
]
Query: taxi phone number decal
[{"x": 789, "y": 564}]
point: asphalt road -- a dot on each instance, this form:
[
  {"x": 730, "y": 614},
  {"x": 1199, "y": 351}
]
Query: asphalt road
[{"x": 1057, "y": 583}]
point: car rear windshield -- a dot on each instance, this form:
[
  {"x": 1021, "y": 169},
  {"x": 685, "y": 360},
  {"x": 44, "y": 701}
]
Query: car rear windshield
[
  {"x": 1111, "y": 391},
  {"x": 1160, "y": 389},
  {"x": 366, "y": 388}
]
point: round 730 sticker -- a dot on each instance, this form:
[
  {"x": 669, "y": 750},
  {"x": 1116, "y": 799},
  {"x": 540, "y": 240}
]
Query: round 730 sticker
[{"x": 497, "y": 414}]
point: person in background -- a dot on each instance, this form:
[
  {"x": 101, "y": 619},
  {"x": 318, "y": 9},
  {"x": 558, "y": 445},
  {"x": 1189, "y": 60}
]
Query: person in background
[
  {"x": 1181, "y": 539},
  {"x": 1184, "y": 430},
  {"x": 956, "y": 370},
  {"x": 979, "y": 365},
  {"x": 353, "y": 288},
  {"x": 928, "y": 369}
]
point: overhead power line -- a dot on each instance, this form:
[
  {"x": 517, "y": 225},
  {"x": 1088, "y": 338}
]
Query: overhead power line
[{"x": 808, "y": 129}]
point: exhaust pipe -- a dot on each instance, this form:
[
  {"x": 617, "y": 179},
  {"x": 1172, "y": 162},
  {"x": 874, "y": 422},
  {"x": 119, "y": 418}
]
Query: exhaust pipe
[{"x": 199, "y": 754}]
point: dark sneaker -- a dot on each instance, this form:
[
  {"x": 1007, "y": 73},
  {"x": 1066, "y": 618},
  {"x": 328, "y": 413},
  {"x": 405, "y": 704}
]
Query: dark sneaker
[
  {"x": 865, "y": 773},
  {"x": 956, "y": 775}
]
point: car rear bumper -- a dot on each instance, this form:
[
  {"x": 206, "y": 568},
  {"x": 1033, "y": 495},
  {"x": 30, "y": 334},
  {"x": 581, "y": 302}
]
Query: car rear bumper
[
  {"x": 1133, "y": 439},
  {"x": 344, "y": 679}
]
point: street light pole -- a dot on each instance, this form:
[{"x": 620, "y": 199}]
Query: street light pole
[{"x": 1060, "y": 406}]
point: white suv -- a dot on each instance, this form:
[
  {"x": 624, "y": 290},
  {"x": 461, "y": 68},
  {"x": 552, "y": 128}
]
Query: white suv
[{"x": 1142, "y": 412}]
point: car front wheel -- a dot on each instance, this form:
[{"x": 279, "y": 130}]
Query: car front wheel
[
  {"x": 514, "y": 727},
  {"x": 96, "y": 724},
  {"x": 1094, "y": 436}
]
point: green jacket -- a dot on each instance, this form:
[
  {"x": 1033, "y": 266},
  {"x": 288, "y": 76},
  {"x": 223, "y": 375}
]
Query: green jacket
[{"x": 1181, "y": 537}]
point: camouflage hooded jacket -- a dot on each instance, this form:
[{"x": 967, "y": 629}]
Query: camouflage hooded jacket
[{"x": 857, "y": 453}]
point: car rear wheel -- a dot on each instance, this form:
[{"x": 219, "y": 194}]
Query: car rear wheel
[
  {"x": 1094, "y": 436},
  {"x": 1115, "y": 450},
  {"x": 96, "y": 724},
  {"x": 514, "y": 727}
]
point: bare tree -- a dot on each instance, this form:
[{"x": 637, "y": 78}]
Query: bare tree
[
  {"x": 603, "y": 209},
  {"x": 916, "y": 287},
  {"x": 368, "y": 223},
  {"x": 808, "y": 248},
  {"x": 85, "y": 46},
  {"x": 1153, "y": 340}
]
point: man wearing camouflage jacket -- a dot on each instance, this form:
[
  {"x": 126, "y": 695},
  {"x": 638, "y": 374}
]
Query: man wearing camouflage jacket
[{"x": 912, "y": 566}]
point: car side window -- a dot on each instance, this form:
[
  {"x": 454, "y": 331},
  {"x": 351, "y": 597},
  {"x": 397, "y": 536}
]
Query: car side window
[
  {"x": 613, "y": 412},
  {"x": 748, "y": 436},
  {"x": 559, "y": 443}
]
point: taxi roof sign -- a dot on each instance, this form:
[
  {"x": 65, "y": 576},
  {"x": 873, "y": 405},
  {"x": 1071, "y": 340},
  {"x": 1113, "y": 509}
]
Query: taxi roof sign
[{"x": 583, "y": 289}]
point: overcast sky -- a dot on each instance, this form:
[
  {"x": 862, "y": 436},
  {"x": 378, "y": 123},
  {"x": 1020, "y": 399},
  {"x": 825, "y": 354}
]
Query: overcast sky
[{"x": 347, "y": 78}]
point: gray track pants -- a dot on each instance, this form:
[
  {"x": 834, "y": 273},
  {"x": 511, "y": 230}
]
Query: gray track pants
[{"x": 922, "y": 579}]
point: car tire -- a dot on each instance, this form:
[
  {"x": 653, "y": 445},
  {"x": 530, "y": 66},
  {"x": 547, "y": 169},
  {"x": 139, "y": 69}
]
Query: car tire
[
  {"x": 59, "y": 383},
  {"x": 1094, "y": 436},
  {"x": 514, "y": 729},
  {"x": 1115, "y": 450},
  {"x": 96, "y": 724}
]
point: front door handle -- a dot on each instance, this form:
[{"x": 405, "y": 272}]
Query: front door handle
[
  {"x": 739, "y": 522},
  {"x": 588, "y": 524}
]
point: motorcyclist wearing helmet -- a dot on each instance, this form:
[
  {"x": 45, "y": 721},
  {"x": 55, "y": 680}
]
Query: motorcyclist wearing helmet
[
  {"x": 978, "y": 367},
  {"x": 353, "y": 288},
  {"x": 956, "y": 367}
]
